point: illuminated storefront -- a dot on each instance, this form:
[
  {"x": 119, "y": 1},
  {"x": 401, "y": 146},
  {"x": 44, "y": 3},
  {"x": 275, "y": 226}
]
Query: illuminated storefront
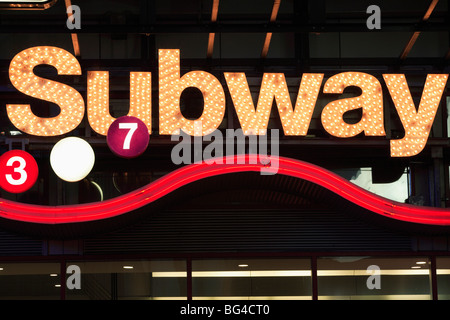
[{"x": 348, "y": 199}]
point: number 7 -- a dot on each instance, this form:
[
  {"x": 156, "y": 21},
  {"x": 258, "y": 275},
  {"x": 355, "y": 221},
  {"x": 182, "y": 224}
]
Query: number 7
[{"x": 132, "y": 126}]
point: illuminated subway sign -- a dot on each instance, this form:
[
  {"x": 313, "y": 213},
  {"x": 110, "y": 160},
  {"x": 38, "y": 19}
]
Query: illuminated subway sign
[{"x": 295, "y": 119}]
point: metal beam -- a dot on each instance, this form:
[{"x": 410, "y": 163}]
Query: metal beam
[
  {"x": 409, "y": 45},
  {"x": 278, "y": 27},
  {"x": 447, "y": 56},
  {"x": 273, "y": 17},
  {"x": 375, "y": 66},
  {"x": 416, "y": 34},
  {"x": 214, "y": 12}
]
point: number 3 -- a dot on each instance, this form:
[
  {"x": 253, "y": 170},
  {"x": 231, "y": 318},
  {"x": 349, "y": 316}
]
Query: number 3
[
  {"x": 132, "y": 126},
  {"x": 19, "y": 169}
]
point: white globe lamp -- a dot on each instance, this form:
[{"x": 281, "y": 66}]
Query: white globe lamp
[{"x": 72, "y": 159}]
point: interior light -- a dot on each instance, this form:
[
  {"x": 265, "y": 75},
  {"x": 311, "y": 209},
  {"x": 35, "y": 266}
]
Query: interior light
[
  {"x": 243, "y": 298},
  {"x": 53, "y": 274},
  {"x": 57, "y": 285},
  {"x": 243, "y": 265},
  {"x": 169, "y": 274},
  {"x": 421, "y": 262},
  {"x": 395, "y": 272},
  {"x": 442, "y": 271},
  {"x": 415, "y": 267},
  {"x": 128, "y": 267},
  {"x": 1, "y": 269},
  {"x": 222, "y": 274}
]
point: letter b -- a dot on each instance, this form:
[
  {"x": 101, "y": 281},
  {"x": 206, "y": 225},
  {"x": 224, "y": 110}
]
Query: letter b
[{"x": 171, "y": 85}]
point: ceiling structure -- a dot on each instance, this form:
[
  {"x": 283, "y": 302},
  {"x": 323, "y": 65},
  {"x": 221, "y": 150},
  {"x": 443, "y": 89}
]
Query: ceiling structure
[{"x": 311, "y": 31}]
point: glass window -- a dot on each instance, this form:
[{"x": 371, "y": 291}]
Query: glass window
[
  {"x": 244, "y": 279},
  {"x": 26, "y": 281},
  {"x": 448, "y": 116},
  {"x": 340, "y": 278},
  {"x": 443, "y": 277},
  {"x": 136, "y": 280}
]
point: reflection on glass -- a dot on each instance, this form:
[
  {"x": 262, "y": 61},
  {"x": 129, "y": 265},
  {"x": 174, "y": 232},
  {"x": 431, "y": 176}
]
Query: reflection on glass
[
  {"x": 362, "y": 177},
  {"x": 246, "y": 279},
  {"x": 27, "y": 281},
  {"x": 135, "y": 280},
  {"x": 366, "y": 278},
  {"x": 448, "y": 116}
]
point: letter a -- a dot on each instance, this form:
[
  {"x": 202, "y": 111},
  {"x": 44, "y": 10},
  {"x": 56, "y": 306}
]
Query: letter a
[
  {"x": 374, "y": 21},
  {"x": 74, "y": 19},
  {"x": 74, "y": 280},
  {"x": 374, "y": 281}
]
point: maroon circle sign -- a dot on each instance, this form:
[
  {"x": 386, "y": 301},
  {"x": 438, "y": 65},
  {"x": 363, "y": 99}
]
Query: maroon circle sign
[
  {"x": 18, "y": 171},
  {"x": 128, "y": 137}
]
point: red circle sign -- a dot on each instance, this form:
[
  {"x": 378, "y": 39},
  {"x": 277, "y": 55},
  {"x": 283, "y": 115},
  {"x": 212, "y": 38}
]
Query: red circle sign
[
  {"x": 128, "y": 137},
  {"x": 18, "y": 171}
]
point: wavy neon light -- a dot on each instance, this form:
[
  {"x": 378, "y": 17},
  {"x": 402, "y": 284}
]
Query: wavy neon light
[{"x": 194, "y": 172}]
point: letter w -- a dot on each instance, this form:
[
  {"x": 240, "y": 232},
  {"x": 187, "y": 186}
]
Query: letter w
[{"x": 295, "y": 121}]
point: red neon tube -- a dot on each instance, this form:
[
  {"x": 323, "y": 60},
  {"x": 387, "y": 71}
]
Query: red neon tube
[{"x": 239, "y": 163}]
